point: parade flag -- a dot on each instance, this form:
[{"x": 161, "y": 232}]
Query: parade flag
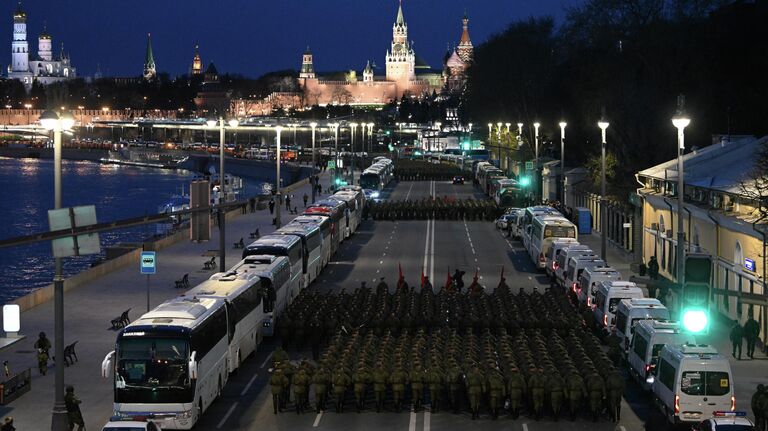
[
  {"x": 449, "y": 280},
  {"x": 477, "y": 271},
  {"x": 422, "y": 277},
  {"x": 502, "y": 272}
]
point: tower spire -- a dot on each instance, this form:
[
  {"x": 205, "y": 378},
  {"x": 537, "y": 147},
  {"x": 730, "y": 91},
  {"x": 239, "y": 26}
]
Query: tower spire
[
  {"x": 150, "y": 69},
  {"x": 400, "y": 20}
]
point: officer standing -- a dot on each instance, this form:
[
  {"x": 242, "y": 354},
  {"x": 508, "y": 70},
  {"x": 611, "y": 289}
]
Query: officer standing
[
  {"x": 379, "y": 377},
  {"x": 596, "y": 391},
  {"x": 759, "y": 403},
  {"x": 653, "y": 268},
  {"x": 360, "y": 379},
  {"x": 751, "y": 333},
  {"x": 340, "y": 382},
  {"x": 416, "y": 376},
  {"x": 454, "y": 378},
  {"x": 398, "y": 379},
  {"x": 435, "y": 380},
  {"x": 321, "y": 379},
  {"x": 615, "y": 384},
  {"x": 536, "y": 388},
  {"x": 496, "y": 391},
  {"x": 276, "y": 383}
]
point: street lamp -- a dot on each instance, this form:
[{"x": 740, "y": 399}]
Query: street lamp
[
  {"x": 603, "y": 125},
  {"x": 233, "y": 123},
  {"x": 438, "y": 125},
  {"x": 58, "y": 123},
  {"x": 370, "y": 138},
  {"x": 336, "y": 145},
  {"x": 313, "y": 125},
  {"x": 562, "y": 125},
  {"x": 490, "y": 130},
  {"x": 279, "y": 130},
  {"x": 536, "y": 179},
  {"x": 506, "y": 159},
  {"x": 352, "y": 148},
  {"x": 681, "y": 121}
]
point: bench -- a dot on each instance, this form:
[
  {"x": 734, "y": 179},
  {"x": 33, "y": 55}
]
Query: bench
[
  {"x": 239, "y": 244},
  {"x": 255, "y": 234},
  {"x": 210, "y": 264},
  {"x": 183, "y": 282},
  {"x": 120, "y": 322}
]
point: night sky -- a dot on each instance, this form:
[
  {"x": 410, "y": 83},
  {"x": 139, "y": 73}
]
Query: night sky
[{"x": 252, "y": 37}]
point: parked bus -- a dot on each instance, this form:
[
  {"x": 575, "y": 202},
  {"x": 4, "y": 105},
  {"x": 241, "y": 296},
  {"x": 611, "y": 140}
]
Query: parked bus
[
  {"x": 281, "y": 245},
  {"x": 312, "y": 248},
  {"x": 544, "y": 230},
  {"x": 354, "y": 202},
  {"x": 335, "y": 216},
  {"x": 324, "y": 224}
]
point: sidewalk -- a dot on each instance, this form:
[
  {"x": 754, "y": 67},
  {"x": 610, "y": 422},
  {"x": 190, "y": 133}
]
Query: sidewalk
[
  {"x": 89, "y": 309},
  {"x": 747, "y": 373}
]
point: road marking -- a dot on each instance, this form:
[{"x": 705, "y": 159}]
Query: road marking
[
  {"x": 248, "y": 386},
  {"x": 426, "y": 248},
  {"x": 412, "y": 423},
  {"x": 317, "y": 420},
  {"x": 427, "y": 418},
  {"x": 226, "y": 416},
  {"x": 432, "y": 255},
  {"x": 525, "y": 427},
  {"x": 267, "y": 360},
  {"x": 409, "y": 191},
  {"x": 621, "y": 427}
]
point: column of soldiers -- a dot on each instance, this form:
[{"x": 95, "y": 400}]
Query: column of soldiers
[
  {"x": 440, "y": 208},
  {"x": 418, "y": 346},
  {"x": 419, "y": 170}
]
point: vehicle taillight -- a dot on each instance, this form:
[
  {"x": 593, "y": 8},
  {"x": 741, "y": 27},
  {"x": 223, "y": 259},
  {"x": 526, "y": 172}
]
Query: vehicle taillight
[
  {"x": 554, "y": 266},
  {"x": 575, "y": 286},
  {"x": 733, "y": 403},
  {"x": 541, "y": 257},
  {"x": 677, "y": 404},
  {"x": 589, "y": 301},
  {"x": 605, "y": 320}
]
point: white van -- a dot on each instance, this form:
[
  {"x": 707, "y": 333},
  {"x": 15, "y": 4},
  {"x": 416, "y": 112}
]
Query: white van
[
  {"x": 554, "y": 250},
  {"x": 630, "y": 311},
  {"x": 649, "y": 338},
  {"x": 565, "y": 255},
  {"x": 576, "y": 266},
  {"x": 588, "y": 282},
  {"x": 692, "y": 382},
  {"x": 607, "y": 298}
]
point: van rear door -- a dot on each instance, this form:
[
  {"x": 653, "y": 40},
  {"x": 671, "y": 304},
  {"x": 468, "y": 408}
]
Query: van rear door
[{"x": 704, "y": 389}]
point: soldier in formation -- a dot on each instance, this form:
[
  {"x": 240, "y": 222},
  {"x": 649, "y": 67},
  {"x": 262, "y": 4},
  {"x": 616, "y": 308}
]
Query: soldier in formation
[{"x": 439, "y": 208}]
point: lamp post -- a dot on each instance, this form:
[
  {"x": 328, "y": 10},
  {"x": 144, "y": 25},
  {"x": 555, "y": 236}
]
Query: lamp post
[
  {"x": 336, "y": 145},
  {"x": 536, "y": 179},
  {"x": 680, "y": 121},
  {"x": 279, "y": 130},
  {"x": 509, "y": 150},
  {"x": 490, "y": 130},
  {"x": 370, "y": 138},
  {"x": 439, "y": 126},
  {"x": 352, "y": 148},
  {"x": 28, "y": 106},
  {"x": 313, "y": 125},
  {"x": 57, "y": 123},
  {"x": 233, "y": 123},
  {"x": 562, "y": 158},
  {"x": 603, "y": 125}
]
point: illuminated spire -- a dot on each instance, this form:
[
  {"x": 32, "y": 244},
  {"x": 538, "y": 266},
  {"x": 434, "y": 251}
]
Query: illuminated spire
[{"x": 400, "y": 20}]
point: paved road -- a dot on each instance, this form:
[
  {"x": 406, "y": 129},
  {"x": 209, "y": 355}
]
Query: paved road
[{"x": 376, "y": 250}]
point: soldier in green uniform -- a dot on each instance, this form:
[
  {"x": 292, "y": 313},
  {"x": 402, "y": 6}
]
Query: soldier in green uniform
[
  {"x": 576, "y": 392},
  {"x": 615, "y": 387},
  {"x": 496, "y": 391},
  {"x": 300, "y": 388},
  {"x": 454, "y": 378},
  {"x": 758, "y": 403},
  {"x": 340, "y": 382},
  {"x": 321, "y": 379},
  {"x": 288, "y": 371},
  {"x": 74, "y": 416},
  {"x": 516, "y": 391},
  {"x": 475, "y": 389},
  {"x": 435, "y": 379},
  {"x": 360, "y": 379},
  {"x": 398, "y": 379},
  {"x": 556, "y": 388},
  {"x": 279, "y": 356},
  {"x": 596, "y": 393},
  {"x": 379, "y": 377},
  {"x": 536, "y": 389},
  {"x": 416, "y": 376},
  {"x": 614, "y": 346},
  {"x": 276, "y": 383}
]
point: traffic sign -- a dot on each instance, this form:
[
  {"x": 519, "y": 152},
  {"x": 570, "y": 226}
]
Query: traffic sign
[
  {"x": 528, "y": 166},
  {"x": 148, "y": 262},
  {"x": 331, "y": 164}
]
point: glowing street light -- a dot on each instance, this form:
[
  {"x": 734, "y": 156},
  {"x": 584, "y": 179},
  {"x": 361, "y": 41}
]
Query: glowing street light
[
  {"x": 562, "y": 125},
  {"x": 603, "y": 125}
]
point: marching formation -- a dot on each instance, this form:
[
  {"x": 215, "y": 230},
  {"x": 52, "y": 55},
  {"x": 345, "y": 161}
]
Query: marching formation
[
  {"x": 419, "y": 170},
  {"x": 445, "y": 208}
]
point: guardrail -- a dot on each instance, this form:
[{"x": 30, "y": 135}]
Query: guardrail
[{"x": 15, "y": 386}]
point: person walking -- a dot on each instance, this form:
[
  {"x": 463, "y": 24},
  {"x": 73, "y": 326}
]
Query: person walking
[
  {"x": 737, "y": 338},
  {"x": 271, "y": 206},
  {"x": 321, "y": 379},
  {"x": 751, "y": 333},
  {"x": 43, "y": 346},
  {"x": 301, "y": 389},
  {"x": 74, "y": 416},
  {"x": 8, "y": 424},
  {"x": 288, "y": 202},
  {"x": 653, "y": 268},
  {"x": 276, "y": 383},
  {"x": 759, "y": 403}
]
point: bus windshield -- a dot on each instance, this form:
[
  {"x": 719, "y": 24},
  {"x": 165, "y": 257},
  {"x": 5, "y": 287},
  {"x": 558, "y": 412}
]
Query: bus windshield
[
  {"x": 265, "y": 249},
  {"x": 559, "y": 231},
  {"x": 369, "y": 181},
  {"x": 152, "y": 369}
]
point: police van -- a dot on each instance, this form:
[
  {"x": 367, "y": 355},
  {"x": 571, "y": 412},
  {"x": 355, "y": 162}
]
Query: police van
[
  {"x": 557, "y": 246},
  {"x": 692, "y": 382},
  {"x": 565, "y": 255},
  {"x": 588, "y": 282},
  {"x": 630, "y": 311},
  {"x": 607, "y": 298},
  {"x": 649, "y": 338}
]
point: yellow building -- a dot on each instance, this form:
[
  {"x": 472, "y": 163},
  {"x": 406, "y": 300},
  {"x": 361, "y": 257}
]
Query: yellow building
[{"x": 719, "y": 219}]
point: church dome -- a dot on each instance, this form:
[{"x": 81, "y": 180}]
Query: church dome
[{"x": 455, "y": 60}]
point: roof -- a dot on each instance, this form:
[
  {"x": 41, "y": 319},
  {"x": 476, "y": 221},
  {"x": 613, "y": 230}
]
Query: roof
[
  {"x": 420, "y": 63},
  {"x": 720, "y": 166},
  {"x": 399, "y": 21},
  {"x": 465, "y": 33},
  {"x": 150, "y": 58},
  {"x": 211, "y": 69},
  {"x": 307, "y": 52},
  {"x": 19, "y": 12},
  {"x": 454, "y": 60}
]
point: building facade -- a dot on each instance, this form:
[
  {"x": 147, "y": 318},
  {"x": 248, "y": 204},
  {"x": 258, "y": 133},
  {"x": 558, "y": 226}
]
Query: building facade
[{"x": 43, "y": 67}]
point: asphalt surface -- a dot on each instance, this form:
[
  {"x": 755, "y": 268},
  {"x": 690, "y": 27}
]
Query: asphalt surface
[{"x": 376, "y": 250}]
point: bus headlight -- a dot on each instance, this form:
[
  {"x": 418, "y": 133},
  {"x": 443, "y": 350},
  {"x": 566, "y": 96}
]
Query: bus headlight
[{"x": 186, "y": 414}]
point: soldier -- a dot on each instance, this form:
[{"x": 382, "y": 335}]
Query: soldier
[
  {"x": 576, "y": 391},
  {"x": 516, "y": 391},
  {"x": 340, "y": 382},
  {"x": 454, "y": 378},
  {"x": 43, "y": 346},
  {"x": 751, "y": 333},
  {"x": 277, "y": 382},
  {"x": 556, "y": 388},
  {"x": 416, "y": 376},
  {"x": 475, "y": 389},
  {"x": 321, "y": 379},
  {"x": 435, "y": 380},
  {"x": 737, "y": 337},
  {"x": 398, "y": 379},
  {"x": 379, "y": 378},
  {"x": 615, "y": 389},
  {"x": 496, "y": 391},
  {"x": 279, "y": 356},
  {"x": 653, "y": 268},
  {"x": 536, "y": 389},
  {"x": 614, "y": 346},
  {"x": 360, "y": 379},
  {"x": 288, "y": 371},
  {"x": 596, "y": 392},
  {"x": 74, "y": 415},
  {"x": 759, "y": 401},
  {"x": 300, "y": 389}
]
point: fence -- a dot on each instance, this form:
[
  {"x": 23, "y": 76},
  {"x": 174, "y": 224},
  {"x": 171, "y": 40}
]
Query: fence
[
  {"x": 15, "y": 386},
  {"x": 617, "y": 213}
]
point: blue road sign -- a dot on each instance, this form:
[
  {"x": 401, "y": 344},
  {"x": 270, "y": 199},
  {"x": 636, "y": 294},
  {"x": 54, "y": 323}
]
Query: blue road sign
[{"x": 148, "y": 262}]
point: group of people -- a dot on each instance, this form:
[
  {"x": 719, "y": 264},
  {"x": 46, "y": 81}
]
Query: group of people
[
  {"x": 466, "y": 347},
  {"x": 420, "y": 170},
  {"x": 750, "y": 332},
  {"x": 440, "y": 208}
]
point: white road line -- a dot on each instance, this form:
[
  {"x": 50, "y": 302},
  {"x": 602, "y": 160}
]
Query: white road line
[
  {"x": 427, "y": 419},
  {"x": 409, "y": 191},
  {"x": 412, "y": 422},
  {"x": 426, "y": 248},
  {"x": 432, "y": 255},
  {"x": 525, "y": 427},
  {"x": 226, "y": 416},
  {"x": 267, "y": 359},
  {"x": 248, "y": 386},
  {"x": 621, "y": 427},
  {"x": 317, "y": 420}
]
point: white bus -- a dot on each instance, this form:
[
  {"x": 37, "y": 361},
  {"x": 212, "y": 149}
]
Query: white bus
[
  {"x": 281, "y": 245},
  {"x": 324, "y": 224},
  {"x": 527, "y": 220},
  {"x": 544, "y": 230},
  {"x": 312, "y": 248},
  {"x": 335, "y": 212},
  {"x": 354, "y": 211}
]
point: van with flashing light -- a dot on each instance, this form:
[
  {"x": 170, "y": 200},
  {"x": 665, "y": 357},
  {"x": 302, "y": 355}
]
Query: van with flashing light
[
  {"x": 631, "y": 311},
  {"x": 649, "y": 338},
  {"x": 589, "y": 279},
  {"x": 554, "y": 250},
  {"x": 692, "y": 382},
  {"x": 607, "y": 297},
  {"x": 565, "y": 255}
]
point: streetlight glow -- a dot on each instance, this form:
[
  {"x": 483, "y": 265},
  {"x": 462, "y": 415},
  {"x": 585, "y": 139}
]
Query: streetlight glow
[{"x": 234, "y": 123}]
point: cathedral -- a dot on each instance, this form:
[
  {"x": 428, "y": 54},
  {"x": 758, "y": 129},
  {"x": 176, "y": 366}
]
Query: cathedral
[
  {"x": 42, "y": 67},
  {"x": 405, "y": 74}
]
